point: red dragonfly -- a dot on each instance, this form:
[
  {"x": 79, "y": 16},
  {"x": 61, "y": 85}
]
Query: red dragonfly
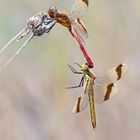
[
  {"x": 40, "y": 24},
  {"x": 74, "y": 24}
]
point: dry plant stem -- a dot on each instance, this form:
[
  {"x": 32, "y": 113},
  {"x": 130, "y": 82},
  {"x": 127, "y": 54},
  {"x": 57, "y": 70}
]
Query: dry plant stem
[
  {"x": 5, "y": 46},
  {"x": 16, "y": 53}
]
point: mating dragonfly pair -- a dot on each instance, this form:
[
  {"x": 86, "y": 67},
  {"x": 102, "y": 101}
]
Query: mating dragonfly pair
[{"x": 96, "y": 88}]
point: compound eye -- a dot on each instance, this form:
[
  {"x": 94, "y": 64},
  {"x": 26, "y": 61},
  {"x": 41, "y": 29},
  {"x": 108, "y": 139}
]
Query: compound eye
[
  {"x": 65, "y": 17},
  {"x": 53, "y": 9},
  {"x": 52, "y": 12}
]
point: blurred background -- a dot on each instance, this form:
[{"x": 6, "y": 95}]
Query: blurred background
[{"x": 34, "y": 104}]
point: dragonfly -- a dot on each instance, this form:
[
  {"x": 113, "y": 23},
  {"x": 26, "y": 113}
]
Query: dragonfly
[
  {"x": 97, "y": 89},
  {"x": 72, "y": 21},
  {"x": 42, "y": 23},
  {"x": 37, "y": 25}
]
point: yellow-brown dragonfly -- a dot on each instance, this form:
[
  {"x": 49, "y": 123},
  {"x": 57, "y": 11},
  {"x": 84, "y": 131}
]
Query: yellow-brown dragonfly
[{"x": 96, "y": 88}]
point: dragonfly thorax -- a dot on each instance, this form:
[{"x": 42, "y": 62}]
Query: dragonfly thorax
[
  {"x": 84, "y": 67},
  {"x": 62, "y": 18}
]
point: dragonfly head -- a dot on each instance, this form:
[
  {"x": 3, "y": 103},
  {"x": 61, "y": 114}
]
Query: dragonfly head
[
  {"x": 84, "y": 67},
  {"x": 52, "y": 12}
]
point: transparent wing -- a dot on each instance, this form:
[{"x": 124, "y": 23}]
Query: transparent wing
[
  {"x": 82, "y": 102},
  {"x": 104, "y": 92},
  {"x": 113, "y": 75},
  {"x": 105, "y": 86},
  {"x": 79, "y": 8},
  {"x": 81, "y": 27}
]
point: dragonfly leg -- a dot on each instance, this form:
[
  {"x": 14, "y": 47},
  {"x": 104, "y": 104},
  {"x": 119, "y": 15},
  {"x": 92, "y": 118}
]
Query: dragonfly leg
[
  {"x": 80, "y": 84},
  {"x": 51, "y": 26},
  {"x": 74, "y": 71}
]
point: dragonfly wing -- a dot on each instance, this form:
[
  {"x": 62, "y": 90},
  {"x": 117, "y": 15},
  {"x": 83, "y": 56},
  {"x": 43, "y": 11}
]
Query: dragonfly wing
[
  {"x": 91, "y": 101},
  {"x": 105, "y": 86},
  {"x": 79, "y": 8},
  {"x": 113, "y": 75},
  {"x": 104, "y": 92},
  {"x": 81, "y": 103},
  {"x": 81, "y": 27}
]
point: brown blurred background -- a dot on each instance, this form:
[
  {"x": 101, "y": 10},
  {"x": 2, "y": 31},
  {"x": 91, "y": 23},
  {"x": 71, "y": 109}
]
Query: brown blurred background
[{"x": 34, "y": 104}]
